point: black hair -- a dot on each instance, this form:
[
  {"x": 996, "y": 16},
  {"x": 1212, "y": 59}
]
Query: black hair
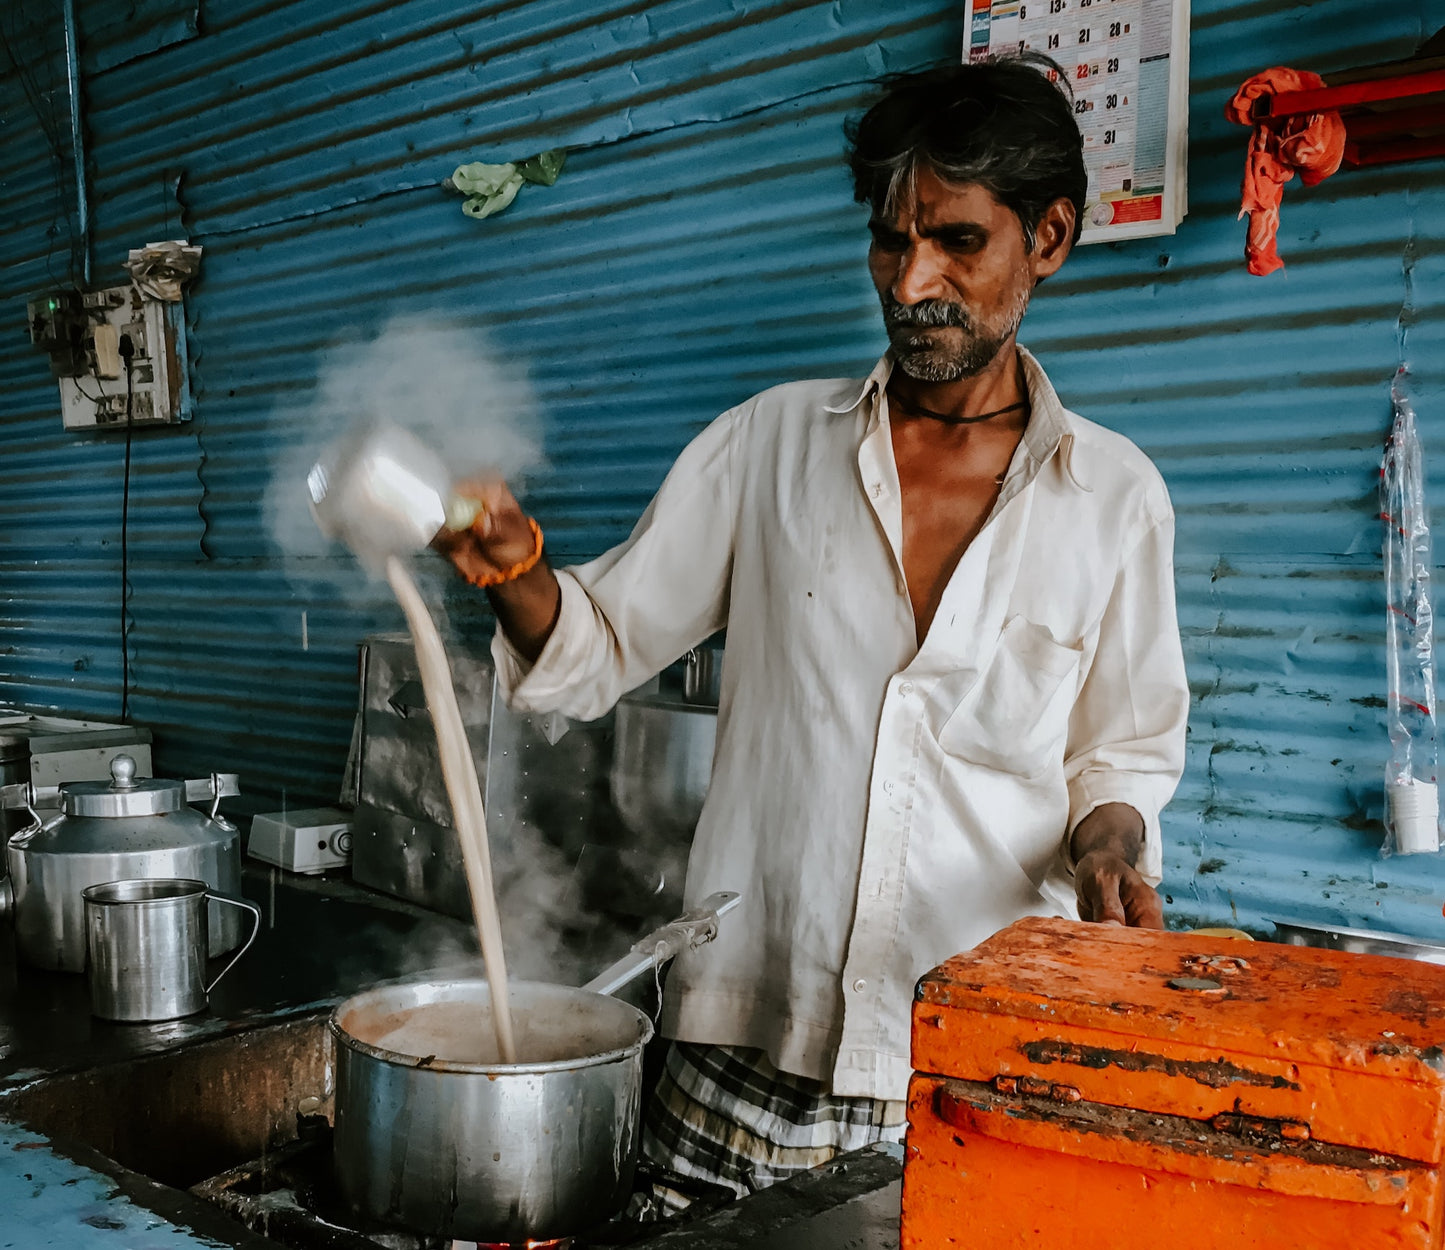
[{"x": 999, "y": 123}]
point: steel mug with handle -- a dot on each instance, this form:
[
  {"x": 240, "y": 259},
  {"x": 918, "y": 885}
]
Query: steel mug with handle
[{"x": 146, "y": 943}]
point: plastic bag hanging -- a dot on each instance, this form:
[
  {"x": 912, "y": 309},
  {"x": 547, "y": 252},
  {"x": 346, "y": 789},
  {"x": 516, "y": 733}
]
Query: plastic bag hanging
[{"x": 1412, "y": 803}]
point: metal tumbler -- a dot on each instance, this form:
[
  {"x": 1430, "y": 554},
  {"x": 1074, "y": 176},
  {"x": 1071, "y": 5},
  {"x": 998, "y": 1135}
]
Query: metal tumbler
[{"x": 146, "y": 944}]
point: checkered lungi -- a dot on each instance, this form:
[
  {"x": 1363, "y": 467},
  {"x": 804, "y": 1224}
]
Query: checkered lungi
[{"x": 725, "y": 1114}]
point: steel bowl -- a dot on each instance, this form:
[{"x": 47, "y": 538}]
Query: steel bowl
[{"x": 1357, "y": 941}]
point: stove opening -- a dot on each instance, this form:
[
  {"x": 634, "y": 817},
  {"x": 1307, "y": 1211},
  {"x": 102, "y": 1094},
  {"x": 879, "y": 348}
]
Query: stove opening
[{"x": 557, "y": 1243}]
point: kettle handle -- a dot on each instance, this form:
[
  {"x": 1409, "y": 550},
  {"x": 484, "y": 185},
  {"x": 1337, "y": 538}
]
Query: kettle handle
[{"x": 245, "y": 905}]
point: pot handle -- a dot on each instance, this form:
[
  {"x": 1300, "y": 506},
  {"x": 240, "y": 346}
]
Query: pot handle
[
  {"x": 688, "y": 931},
  {"x": 27, "y": 796},
  {"x": 245, "y": 905},
  {"x": 214, "y": 788}
]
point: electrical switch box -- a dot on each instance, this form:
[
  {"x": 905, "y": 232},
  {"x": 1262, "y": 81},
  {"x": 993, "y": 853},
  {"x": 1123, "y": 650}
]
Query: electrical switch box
[
  {"x": 120, "y": 357},
  {"x": 58, "y": 326}
]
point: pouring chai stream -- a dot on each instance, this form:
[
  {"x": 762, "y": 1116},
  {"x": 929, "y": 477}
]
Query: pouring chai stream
[
  {"x": 465, "y": 792},
  {"x": 386, "y": 496}
]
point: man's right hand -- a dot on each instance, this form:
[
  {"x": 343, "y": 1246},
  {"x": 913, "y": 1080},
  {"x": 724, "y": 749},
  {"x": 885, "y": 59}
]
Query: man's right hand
[{"x": 499, "y": 539}]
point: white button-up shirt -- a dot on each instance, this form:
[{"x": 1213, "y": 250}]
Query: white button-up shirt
[{"x": 882, "y": 806}]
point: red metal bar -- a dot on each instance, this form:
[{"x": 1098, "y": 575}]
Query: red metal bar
[
  {"x": 1351, "y": 95},
  {"x": 1394, "y": 150},
  {"x": 1396, "y": 122}
]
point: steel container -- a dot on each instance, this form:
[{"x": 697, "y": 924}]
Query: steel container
[
  {"x": 147, "y": 942},
  {"x": 442, "y": 1142},
  {"x": 702, "y": 676},
  {"x": 127, "y": 829},
  {"x": 661, "y": 763}
]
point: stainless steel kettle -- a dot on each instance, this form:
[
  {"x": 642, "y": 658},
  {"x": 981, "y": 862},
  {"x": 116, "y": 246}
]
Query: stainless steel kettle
[{"x": 130, "y": 827}]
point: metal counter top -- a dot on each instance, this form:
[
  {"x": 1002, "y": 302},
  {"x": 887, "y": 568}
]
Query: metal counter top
[{"x": 321, "y": 940}]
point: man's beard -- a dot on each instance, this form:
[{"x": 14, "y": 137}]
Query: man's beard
[{"x": 932, "y": 357}]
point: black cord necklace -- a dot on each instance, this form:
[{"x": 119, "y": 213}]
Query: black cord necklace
[{"x": 949, "y": 419}]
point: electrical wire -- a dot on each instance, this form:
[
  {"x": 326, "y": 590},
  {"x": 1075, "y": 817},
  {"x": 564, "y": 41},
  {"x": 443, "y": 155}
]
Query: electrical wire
[
  {"x": 127, "y": 349},
  {"x": 84, "y": 394},
  {"x": 35, "y": 95},
  {"x": 30, "y": 84}
]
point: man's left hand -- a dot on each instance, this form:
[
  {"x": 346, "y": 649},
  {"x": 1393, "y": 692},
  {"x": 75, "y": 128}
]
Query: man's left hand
[{"x": 1105, "y": 846}]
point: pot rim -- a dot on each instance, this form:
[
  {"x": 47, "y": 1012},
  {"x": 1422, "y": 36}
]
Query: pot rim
[
  {"x": 667, "y": 703},
  {"x": 112, "y": 893},
  {"x": 402, "y": 1060}
]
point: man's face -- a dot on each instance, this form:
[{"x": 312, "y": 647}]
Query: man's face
[{"x": 954, "y": 276}]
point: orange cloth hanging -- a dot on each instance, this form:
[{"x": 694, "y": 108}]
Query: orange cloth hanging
[{"x": 1313, "y": 143}]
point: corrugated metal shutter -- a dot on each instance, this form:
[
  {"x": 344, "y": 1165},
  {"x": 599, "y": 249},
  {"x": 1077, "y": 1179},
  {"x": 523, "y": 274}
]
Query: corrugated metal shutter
[
  {"x": 700, "y": 246},
  {"x": 1265, "y": 403}
]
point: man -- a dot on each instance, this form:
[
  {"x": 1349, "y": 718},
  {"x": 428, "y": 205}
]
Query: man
[{"x": 953, "y": 676}]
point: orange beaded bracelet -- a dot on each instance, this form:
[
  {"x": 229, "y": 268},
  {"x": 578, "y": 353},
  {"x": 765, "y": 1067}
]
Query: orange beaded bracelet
[{"x": 517, "y": 570}]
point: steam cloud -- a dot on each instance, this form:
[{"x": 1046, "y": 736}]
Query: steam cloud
[{"x": 441, "y": 381}]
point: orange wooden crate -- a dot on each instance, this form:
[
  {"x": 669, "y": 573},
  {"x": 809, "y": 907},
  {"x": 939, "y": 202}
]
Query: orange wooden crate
[{"x": 1087, "y": 1087}]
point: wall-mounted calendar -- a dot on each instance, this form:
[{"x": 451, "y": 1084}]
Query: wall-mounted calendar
[{"x": 1128, "y": 66}]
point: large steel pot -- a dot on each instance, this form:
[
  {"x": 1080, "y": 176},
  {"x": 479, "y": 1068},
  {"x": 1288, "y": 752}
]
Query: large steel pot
[
  {"x": 661, "y": 763},
  {"x": 132, "y": 827},
  {"x": 435, "y": 1136},
  {"x": 445, "y": 1142}
]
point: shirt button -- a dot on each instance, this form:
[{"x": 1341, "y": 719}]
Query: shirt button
[
  {"x": 906, "y": 688},
  {"x": 860, "y": 985}
]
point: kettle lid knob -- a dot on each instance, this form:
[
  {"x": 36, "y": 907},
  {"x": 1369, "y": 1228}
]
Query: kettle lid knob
[{"x": 122, "y": 773}]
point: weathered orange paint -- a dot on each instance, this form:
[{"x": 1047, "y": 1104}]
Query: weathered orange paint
[{"x": 1083, "y": 1086}]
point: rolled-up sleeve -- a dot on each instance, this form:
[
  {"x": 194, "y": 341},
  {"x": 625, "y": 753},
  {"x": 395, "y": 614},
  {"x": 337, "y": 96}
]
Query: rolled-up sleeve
[
  {"x": 630, "y": 613},
  {"x": 1127, "y": 729}
]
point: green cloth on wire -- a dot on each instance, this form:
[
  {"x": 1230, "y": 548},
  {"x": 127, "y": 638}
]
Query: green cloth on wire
[{"x": 491, "y": 188}]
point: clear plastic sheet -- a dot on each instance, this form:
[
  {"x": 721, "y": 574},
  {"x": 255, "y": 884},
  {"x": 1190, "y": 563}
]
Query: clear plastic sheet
[{"x": 1411, "y": 794}]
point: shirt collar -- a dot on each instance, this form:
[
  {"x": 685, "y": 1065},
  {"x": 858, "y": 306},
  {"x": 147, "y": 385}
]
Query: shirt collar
[
  {"x": 871, "y": 385},
  {"x": 1050, "y": 430}
]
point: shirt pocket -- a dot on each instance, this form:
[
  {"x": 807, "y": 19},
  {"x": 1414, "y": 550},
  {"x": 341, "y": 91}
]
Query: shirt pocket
[{"x": 1016, "y": 716}]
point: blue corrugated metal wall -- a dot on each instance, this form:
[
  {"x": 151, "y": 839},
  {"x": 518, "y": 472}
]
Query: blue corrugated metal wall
[{"x": 700, "y": 245}]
